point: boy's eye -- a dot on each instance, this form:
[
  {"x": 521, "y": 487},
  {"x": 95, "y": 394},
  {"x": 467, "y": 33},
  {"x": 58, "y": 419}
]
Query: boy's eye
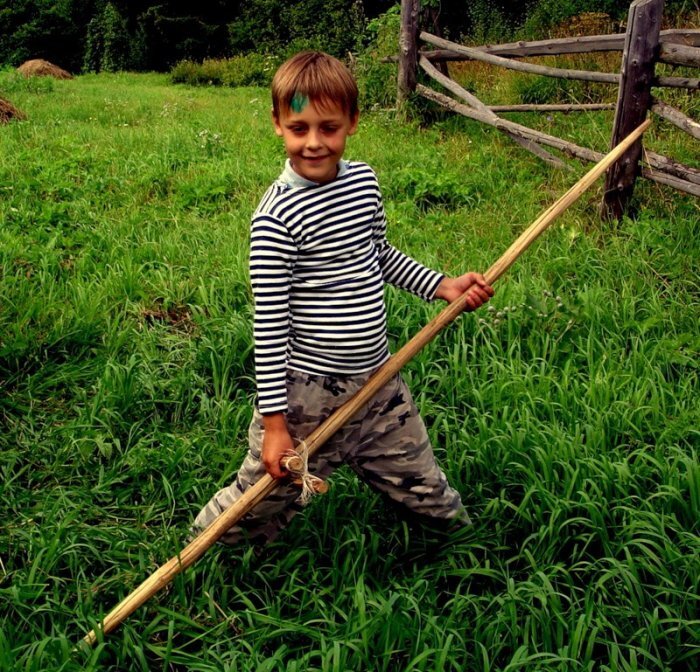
[{"x": 330, "y": 129}]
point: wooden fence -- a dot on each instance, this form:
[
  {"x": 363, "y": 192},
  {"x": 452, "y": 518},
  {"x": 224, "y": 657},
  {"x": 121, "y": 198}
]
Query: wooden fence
[{"x": 642, "y": 46}]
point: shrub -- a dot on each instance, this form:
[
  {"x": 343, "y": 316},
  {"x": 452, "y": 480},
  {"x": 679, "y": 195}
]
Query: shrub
[
  {"x": 284, "y": 27},
  {"x": 376, "y": 80},
  {"x": 250, "y": 70},
  {"x": 489, "y": 23},
  {"x": 242, "y": 70},
  {"x": 546, "y": 15}
]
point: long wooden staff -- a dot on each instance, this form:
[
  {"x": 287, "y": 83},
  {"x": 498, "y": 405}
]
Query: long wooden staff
[{"x": 256, "y": 493}]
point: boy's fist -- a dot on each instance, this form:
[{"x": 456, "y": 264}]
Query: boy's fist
[{"x": 478, "y": 291}]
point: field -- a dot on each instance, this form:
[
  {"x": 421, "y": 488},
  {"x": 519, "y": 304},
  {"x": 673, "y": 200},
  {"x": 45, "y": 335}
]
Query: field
[{"x": 567, "y": 413}]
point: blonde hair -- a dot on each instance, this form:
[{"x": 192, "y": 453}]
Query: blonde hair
[{"x": 321, "y": 78}]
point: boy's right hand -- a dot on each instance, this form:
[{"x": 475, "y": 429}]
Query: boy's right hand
[{"x": 277, "y": 442}]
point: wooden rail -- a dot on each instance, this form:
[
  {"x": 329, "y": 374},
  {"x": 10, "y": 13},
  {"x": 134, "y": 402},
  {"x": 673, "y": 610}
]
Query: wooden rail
[
  {"x": 642, "y": 45},
  {"x": 548, "y": 71},
  {"x": 678, "y": 47}
]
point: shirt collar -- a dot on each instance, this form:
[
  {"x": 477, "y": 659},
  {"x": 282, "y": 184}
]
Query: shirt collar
[{"x": 292, "y": 179}]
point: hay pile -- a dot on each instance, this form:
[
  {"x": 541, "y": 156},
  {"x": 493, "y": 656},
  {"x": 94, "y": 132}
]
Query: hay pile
[
  {"x": 8, "y": 112},
  {"x": 38, "y": 67}
]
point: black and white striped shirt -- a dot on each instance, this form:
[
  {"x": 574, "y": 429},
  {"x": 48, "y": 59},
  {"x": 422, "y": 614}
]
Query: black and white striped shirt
[{"x": 318, "y": 262}]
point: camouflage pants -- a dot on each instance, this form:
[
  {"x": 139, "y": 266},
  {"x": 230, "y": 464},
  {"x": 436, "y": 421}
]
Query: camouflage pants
[{"x": 386, "y": 444}]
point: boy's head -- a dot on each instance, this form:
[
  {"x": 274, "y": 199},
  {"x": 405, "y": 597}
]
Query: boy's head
[
  {"x": 316, "y": 77},
  {"x": 314, "y": 110}
]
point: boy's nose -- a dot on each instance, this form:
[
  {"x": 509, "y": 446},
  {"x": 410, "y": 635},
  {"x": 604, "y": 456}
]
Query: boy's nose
[{"x": 313, "y": 140}]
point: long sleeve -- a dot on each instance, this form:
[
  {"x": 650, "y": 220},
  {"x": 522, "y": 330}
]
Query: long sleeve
[
  {"x": 398, "y": 268},
  {"x": 272, "y": 257}
]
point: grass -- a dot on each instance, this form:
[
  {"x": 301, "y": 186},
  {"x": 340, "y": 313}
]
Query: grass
[{"x": 566, "y": 413}]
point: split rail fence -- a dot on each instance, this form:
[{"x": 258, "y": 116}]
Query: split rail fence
[{"x": 642, "y": 45}]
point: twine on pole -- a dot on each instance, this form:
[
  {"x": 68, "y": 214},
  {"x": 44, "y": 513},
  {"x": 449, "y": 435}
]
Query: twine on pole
[
  {"x": 297, "y": 464},
  {"x": 260, "y": 490}
]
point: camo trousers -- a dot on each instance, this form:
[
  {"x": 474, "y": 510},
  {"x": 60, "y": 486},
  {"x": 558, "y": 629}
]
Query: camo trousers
[{"x": 386, "y": 444}]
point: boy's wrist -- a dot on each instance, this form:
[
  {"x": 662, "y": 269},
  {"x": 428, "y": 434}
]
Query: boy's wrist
[
  {"x": 274, "y": 422},
  {"x": 440, "y": 292}
]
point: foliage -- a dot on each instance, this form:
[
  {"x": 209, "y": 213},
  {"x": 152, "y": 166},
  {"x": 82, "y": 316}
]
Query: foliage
[
  {"x": 275, "y": 26},
  {"x": 489, "y": 22},
  {"x": 566, "y": 414},
  {"x": 244, "y": 70},
  {"x": 545, "y": 15},
  {"x": 161, "y": 33},
  {"x": 165, "y": 36},
  {"x": 377, "y": 80},
  {"x": 430, "y": 185},
  {"x": 107, "y": 45},
  {"x": 42, "y": 29}
]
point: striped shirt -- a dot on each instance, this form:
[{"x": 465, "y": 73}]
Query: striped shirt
[{"x": 318, "y": 262}]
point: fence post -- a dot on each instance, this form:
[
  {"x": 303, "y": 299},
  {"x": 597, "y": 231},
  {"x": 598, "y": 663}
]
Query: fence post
[
  {"x": 633, "y": 100},
  {"x": 408, "y": 50}
]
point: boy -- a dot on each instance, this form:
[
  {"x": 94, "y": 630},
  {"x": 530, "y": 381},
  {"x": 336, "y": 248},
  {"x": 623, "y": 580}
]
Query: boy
[{"x": 318, "y": 262}]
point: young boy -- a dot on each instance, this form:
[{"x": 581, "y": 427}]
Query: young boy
[{"x": 319, "y": 259}]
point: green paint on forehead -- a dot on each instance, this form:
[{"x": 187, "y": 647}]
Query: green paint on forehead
[{"x": 299, "y": 102}]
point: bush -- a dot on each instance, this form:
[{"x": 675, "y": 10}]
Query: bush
[
  {"x": 243, "y": 70},
  {"x": 376, "y": 80},
  {"x": 197, "y": 74},
  {"x": 489, "y": 23},
  {"x": 283, "y": 27},
  {"x": 547, "y": 14},
  {"x": 250, "y": 70}
]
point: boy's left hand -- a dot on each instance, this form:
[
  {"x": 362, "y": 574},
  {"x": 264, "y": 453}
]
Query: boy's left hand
[{"x": 478, "y": 291}]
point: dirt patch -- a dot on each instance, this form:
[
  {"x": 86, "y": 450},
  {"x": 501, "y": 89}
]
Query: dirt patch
[
  {"x": 177, "y": 318},
  {"x": 38, "y": 67},
  {"x": 8, "y": 112}
]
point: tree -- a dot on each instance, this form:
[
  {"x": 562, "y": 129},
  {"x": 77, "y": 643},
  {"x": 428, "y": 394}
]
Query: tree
[
  {"x": 107, "y": 45},
  {"x": 53, "y": 30},
  {"x": 281, "y": 26}
]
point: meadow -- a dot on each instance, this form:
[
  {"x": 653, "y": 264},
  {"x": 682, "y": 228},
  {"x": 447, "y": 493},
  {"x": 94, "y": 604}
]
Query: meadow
[{"x": 567, "y": 413}]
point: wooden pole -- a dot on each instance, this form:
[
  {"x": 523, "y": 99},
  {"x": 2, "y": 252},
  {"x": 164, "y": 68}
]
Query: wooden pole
[
  {"x": 460, "y": 91},
  {"x": 633, "y": 100},
  {"x": 256, "y": 493},
  {"x": 408, "y": 51}
]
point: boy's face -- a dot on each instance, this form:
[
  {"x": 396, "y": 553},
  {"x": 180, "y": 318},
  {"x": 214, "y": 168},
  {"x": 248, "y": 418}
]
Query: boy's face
[{"x": 314, "y": 137}]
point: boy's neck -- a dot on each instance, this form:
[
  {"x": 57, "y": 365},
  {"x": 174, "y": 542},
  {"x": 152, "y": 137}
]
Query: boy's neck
[{"x": 291, "y": 178}]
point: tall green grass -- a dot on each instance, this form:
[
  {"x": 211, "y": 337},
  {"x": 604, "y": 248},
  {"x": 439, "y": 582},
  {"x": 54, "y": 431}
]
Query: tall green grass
[{"x": 566, "y": 413}]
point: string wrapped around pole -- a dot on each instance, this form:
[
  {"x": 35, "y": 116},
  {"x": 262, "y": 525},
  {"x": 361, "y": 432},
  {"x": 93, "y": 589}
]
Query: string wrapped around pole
[
  {"x": 262, "y": 488},
  {"x": 297, "y": 464}
]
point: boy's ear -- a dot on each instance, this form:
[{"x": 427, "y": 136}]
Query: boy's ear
[
  {"x": 354, "y": 120},
  {"x": 276, "y": 123}
]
